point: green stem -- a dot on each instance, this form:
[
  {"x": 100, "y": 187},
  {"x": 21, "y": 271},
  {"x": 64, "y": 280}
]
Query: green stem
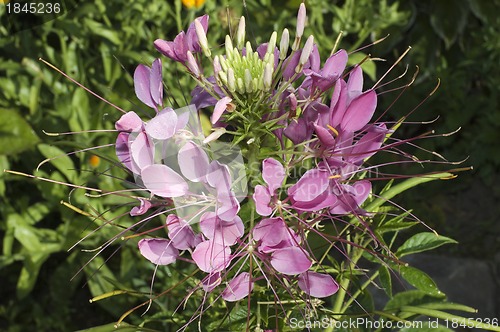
[{"x": 359, "y": 291}]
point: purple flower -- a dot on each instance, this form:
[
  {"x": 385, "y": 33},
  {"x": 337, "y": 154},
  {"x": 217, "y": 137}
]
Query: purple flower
[
  {"x": 181, "y": 234},
  {"x": 287, "y": 256},
  {"x": 183, "y": 42},
  {"x": 273, "y": 174}
]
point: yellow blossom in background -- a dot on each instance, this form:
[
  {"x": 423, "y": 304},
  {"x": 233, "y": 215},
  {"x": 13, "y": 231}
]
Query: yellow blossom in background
[{"x": 193, "y": 3}]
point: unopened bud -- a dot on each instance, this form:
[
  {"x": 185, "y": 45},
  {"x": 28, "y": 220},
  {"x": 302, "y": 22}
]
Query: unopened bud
[
  {"x": 248, "y": 81},
  {"x": 268, "y": 76},
  {"x": 301, "y": 21},
  {"x": 240, "y": 34},
  {"x": 231, "y": 81},
  {"x": 217, "y": 66},
  {"x": 218, "y": 132},
  {"x": 202, "y": 38},
  {"x": 248, "y": 48},
  {"x": 192, "y": 64},
  {"x": 306, "y": 52},
  {"x": 272, "y": 43},
  {"x": 285, "y": 40},
  {"x": 229, "y": 47}
]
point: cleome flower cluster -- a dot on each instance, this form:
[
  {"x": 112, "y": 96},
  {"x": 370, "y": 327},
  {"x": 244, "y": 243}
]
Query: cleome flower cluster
[{"x": 290, "y": 135}]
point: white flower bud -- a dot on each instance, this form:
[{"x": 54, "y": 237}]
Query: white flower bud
[
  {"x": 202, "y": 38},
  {"x": 285, "y": 40},
  {"x": 272, "y": 43},
  {"x": 268, "y": 76},
  {"x": 231, "y": 80},
  {"x": 301, "y": 21},
  {"x": 229, "y": 47},
  {"x": 306, "y": 52},
  {"x": 248, "y": 81},
  {"x": 240, "y": 35}
]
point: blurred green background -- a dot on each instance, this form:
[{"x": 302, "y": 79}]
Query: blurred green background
[{"x": 100, "y": 42}]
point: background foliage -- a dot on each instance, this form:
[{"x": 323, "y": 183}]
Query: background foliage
[{"x": 99, "y": 43}]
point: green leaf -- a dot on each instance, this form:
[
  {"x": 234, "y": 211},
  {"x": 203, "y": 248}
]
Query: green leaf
[
  {"x": 368, "y": 66},
  {"x": 448, "y": 19},
  {"x": 101, "y": 30},
  {"x": 419, "y": 280},
  {"x": 410, "y": 297},
  {"x": 385, "y": 279},
  {"x": 60, "y": 160},
  {"x": 403, "y": 186},
  {"x": 396, "y": 224},
  {"x": 16, "y": 135},
  {"x": 123, "y": 327},
  {"x": 422, "y": 242},
  {"x": 29, "y": 274}
]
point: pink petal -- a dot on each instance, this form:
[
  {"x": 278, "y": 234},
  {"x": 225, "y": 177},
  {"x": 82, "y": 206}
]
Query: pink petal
[
  {"x": 339, "y": 108},
  {"x": 211, "y": 281},
  {"x": 222, "y": 232},
  {"x": 155, "y": 83},
  {"x": 274, "y": 226},
  {"x": 273, "y": 173},
  {"x": 211, "y": 257},
  {"x": 335, "y": 65},
  {"x": 193, "y": 162},
  {"x": 325, "y": 136},
  {"x": 218, "y": 176},
  {"x": 181, "y": 234},
  {"x": 141, "y": 85},
  {"x": 129, "y": 121},
  {"x": 158, "y": 251},
  {"x": 219, "y": 108},
  {"x": 142, "y": 208},
  {"x": 162, "y": 181},
  {"x": 262, "y": 198},
  {"x": 355, "y": 82},
  {"x": 368, "y": 145},
  {"x": 317, "y": 284},
  {"x": 238, "y": 288},
  {"x": 166, "y": 48},
  {"x": 312, "y": 184},
  {"x": 351, "y": 199},
  {"x": 163, "y": 125},
  {"x": 359, "y": 112},
  {"x": 122, "y": 147},
  {"x": 228, "y": 206},
  {"x": 290, "y": 261},
  {"x": 142, "y": 151}
]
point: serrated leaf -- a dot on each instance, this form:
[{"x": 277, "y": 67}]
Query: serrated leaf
[
  {"x": 419, "y": 280},
  {"x": 16, "y": 135},
  {"x": 422, "y": 242}
]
